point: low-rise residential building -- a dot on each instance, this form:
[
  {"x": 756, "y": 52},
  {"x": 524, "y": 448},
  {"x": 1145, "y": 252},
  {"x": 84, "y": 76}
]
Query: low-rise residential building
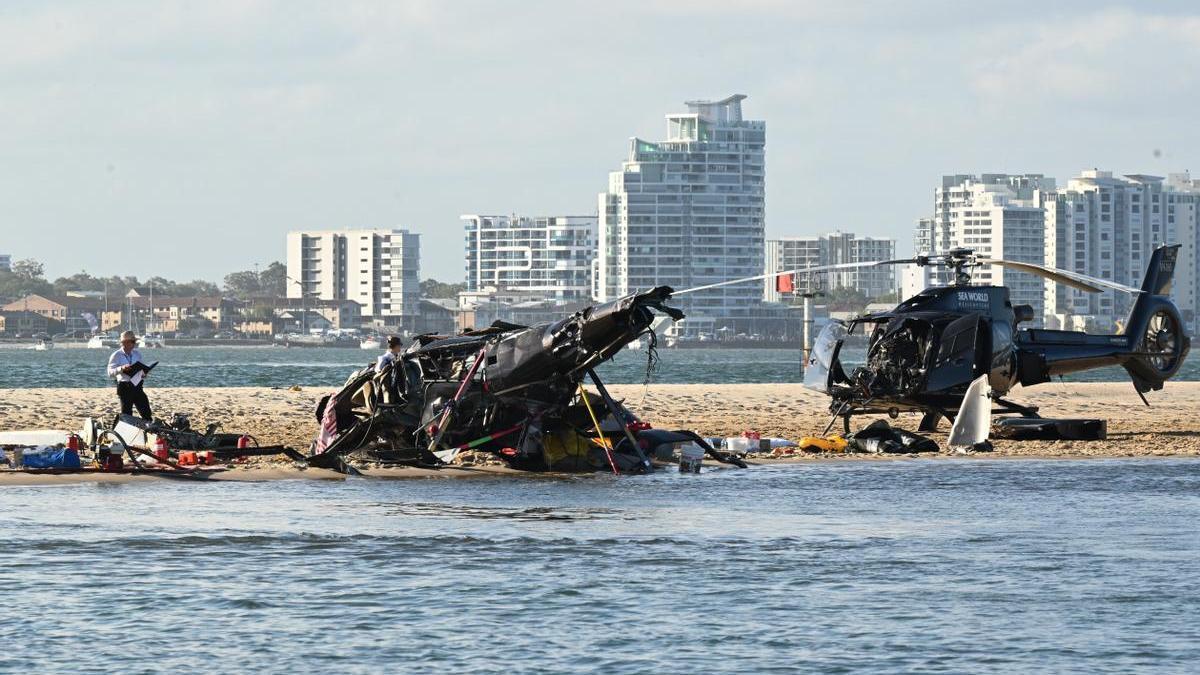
[
  {"x": 166, "y": 314},
  {"x": 341, "y": 314},
  {"x": 524, "y": 313},
  {"x": 73, "y": 313},
  {"x": 480, "y": 309},
  {"x": 302, "y": 321},
  {"x": 437, "y": 316},
  {"x": 25, "y": 323}
]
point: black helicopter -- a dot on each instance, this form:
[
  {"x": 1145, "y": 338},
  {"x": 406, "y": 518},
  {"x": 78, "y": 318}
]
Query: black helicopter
[
  {"x": 924, "y": 354},
  {"x": 513, "y": 391}
]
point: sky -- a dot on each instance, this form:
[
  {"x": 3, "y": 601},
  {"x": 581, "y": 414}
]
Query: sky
[{"x": 184, "y": 139}]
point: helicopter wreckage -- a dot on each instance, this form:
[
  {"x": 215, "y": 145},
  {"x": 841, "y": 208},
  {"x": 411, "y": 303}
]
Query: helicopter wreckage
[{"x": 514, "y": 392}]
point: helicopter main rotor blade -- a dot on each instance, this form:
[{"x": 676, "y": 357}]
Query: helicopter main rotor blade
[
  {"x": 804, "y": 270},
  {"x": 1075, "y": 280}
]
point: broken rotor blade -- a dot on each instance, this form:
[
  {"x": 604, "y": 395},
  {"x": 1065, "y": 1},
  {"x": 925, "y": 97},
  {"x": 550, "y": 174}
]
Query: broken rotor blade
[
  {"x": 1075, "y": 280},
  {"x": 974, "y": 419}
]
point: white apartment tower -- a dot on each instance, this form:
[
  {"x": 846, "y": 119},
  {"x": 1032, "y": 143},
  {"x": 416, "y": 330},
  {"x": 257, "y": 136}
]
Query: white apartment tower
[
  {"x": 789, "y": 253},
  {"x": 998, "y": 216},
  {"x": 549, "y": 256},
  {"x": 688, "y": 211},
  {"x": 378, "y": 269},
  {"x": 1107, "y": 227}
]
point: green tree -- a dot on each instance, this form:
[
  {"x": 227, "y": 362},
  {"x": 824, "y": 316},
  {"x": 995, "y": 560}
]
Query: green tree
[
  {"x": 432, "y": 288},
  {"x": 81, "y": 281},
  {"x": 846, "y": 300},
  {"x": 28, "y": 270},
  {"x": 25, "y": 278},
  {"x": 242, "y": 284},
  {"x": 273, "y": 280},
  {"x": 196, "y": 287},
  {"x": 259, "y": 311}
]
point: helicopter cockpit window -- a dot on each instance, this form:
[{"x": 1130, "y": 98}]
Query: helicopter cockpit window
[
  {"x": 824, "y": 352},
  {"x": 958, "y": 338}
]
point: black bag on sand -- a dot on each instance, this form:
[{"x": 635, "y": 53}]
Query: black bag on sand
[{"x": 879, "y": 437}]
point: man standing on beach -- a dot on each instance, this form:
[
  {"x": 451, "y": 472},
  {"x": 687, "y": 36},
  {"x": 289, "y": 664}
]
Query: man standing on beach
[{"x": 124, "y": 367}]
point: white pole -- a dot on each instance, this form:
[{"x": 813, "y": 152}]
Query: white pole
[{"x": 808, "y": 321}]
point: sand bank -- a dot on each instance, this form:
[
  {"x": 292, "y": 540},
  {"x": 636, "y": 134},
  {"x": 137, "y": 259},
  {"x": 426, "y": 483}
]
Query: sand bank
[{"x": 281, "y": 416}]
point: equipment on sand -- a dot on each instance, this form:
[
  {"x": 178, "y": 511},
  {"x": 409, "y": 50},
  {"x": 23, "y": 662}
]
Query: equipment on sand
[{"x": 177, "y": 435}]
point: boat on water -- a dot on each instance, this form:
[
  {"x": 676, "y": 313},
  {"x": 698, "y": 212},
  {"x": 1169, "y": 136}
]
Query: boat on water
[
  {"x": 96, "y": 342},
  {"x": 301, "y": 340},
  {"x": 43, "y": 345},
  {"x": 371, "y": 343},
  {"x": 152, "y": 342}
]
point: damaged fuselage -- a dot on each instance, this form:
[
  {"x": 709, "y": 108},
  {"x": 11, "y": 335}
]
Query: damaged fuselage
[{"x": 512, "y": 391}]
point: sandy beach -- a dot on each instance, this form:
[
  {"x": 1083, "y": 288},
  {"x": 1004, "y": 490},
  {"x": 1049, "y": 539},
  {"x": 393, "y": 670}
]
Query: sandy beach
[{"x": 284, "y": 416}]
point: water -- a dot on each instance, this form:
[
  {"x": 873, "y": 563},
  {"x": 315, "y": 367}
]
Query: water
[
  {"x": 924, "y": 565},
  {"x": 328, "y": 367}
]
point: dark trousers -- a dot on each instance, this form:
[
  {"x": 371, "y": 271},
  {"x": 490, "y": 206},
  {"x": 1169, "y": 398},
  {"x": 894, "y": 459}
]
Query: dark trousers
[{"x": 132, "y": 397}]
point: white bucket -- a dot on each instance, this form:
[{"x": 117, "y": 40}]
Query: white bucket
[{"x": 691, "y": 456}]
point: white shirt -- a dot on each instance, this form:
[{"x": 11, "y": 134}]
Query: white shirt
[
  {"x": 119, "y": 360},
  {"x": 388, "y": 357}
]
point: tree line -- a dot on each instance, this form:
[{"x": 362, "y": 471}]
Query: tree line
[{"x": 28, "y": 277}]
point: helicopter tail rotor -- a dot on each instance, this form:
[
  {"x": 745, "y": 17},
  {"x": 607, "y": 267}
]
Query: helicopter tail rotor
[{"x": 1155, "y": 329}]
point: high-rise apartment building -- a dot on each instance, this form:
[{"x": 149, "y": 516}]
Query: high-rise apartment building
[
  {"x": 688, "y": 211},
  {"x": 1100, "y": 225},
  {"x": 5, "y": 262},
  {"x": 789, "y": 253},
  {"x": 547, "y": 256},
  {"x": 1107, "y": 227},
  {"x": 996, "y": 215},
  {"x": 378, "y": 269}
]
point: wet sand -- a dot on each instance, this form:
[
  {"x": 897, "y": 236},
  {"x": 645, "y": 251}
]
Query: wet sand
[{"x": 283, "y": 416}]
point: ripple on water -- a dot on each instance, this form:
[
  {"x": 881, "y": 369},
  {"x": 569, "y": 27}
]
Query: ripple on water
[{"x": 935, "y": 566}]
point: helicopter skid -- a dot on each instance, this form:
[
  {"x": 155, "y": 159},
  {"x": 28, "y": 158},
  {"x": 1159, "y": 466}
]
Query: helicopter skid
[{"x": 932, "y": 414}]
